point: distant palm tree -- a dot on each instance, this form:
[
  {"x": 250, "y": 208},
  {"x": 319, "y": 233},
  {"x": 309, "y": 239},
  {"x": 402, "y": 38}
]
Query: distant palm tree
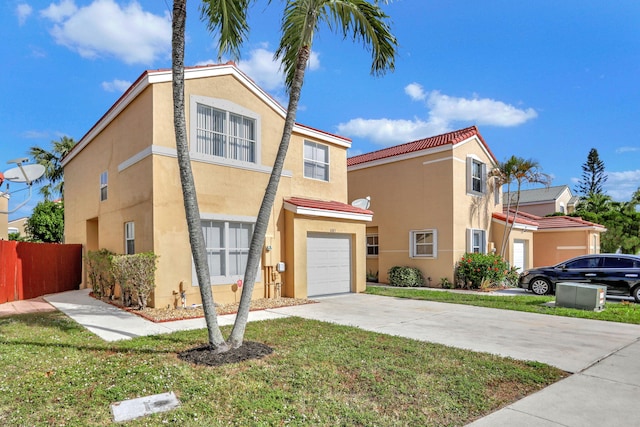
[
  {"x": 52, "y": 162},
  {"x": 519, "y": 171},
  {"x": 302, "y": 18}
]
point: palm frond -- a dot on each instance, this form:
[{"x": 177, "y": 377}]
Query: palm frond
[{"x": 227, "y": 19}]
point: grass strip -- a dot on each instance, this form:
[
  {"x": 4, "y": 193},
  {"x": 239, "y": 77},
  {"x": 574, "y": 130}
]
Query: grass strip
[
  {"x": 54, "y": 372},
  {"x": 623, "y": 312}
]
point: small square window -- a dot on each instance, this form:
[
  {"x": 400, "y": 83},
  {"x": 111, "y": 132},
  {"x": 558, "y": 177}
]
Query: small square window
[
  {"x": 104, "y": 181},
  {"x": 423, "y": 243}
]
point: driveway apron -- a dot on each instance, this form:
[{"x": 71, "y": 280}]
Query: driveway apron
[{"x": 567, "y": 343}]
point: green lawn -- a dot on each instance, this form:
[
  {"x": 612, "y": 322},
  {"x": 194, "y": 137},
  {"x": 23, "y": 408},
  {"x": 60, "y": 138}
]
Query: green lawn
[
  {"x": 613, "y": 312},
  {"x": 54, "y": 372}
]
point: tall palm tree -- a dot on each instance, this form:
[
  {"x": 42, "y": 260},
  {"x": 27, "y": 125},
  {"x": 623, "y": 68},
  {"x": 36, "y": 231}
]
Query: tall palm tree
[
  {"x": 361, "y": 19},
  {"x": 51, "y": 160},
  {"x": 519, "y": 171},
  {"x": 229, "y": 16}
]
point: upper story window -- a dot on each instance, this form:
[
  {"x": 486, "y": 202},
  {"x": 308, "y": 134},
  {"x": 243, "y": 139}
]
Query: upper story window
[
  {"x": 372, "y": 245},
  {"x": 476, "y": 176},
  {"x": 225, "y": 134},
  {"x": 423, "y": 243},
  {"x": 104, "y": 182},
  {"x": 129, "y": 238},
  {"x": 316, "y": 161}
]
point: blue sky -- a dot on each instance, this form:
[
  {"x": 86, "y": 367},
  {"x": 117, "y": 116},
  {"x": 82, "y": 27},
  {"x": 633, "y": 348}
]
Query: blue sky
[{"x": 545, "y": 79}]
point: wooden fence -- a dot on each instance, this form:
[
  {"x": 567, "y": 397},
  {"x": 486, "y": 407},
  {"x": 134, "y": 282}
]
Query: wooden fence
[{"x": 29, "y": 270}]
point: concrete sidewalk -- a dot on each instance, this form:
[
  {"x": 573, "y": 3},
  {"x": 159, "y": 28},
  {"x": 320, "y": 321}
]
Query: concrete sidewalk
[
  {"x": 112, "y": 324},
  {"x": 602, "y": 355}
]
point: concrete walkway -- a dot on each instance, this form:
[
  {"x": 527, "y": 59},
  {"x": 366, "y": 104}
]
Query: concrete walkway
[{"x": 602, "y": 355}]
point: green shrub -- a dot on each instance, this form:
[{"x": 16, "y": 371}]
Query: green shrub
[
  {"x": 405, "y": 276},
  {"x": 474, "y": 268},
  {"x": 445, "y": 283},
  {"x": 136, "y": 276},
  {"x": 99, "y": 272}
]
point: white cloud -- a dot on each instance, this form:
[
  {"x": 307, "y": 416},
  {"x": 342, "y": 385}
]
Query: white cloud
[
  {"x": 58, "y": 12},
  {"x": 265, "y": 71},
  {"x": 627, "y": 149},
  {"x": 444, "y": 114},
  {"x": 36, "y": 134},
  {"x": 390, "y": 132},
  {"x": 483, "y": 111},
  {"x": 23, "y": 11},
  {"x": 116, "y": 85},
  {"x": 621, "y": 185},
  {"x": 415, "y": 91},
  {"x": 106, "y": 29},
  {"x": 261, "y": 67}
]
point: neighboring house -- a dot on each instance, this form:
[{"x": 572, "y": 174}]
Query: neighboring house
[
  {"x": 17, "y": 225},
  {"x": 558, "y": 238},
  {"x": 433, "y": 201},
  {"x": 122, "y": 190},
  {"x": 545, "y": 201}
]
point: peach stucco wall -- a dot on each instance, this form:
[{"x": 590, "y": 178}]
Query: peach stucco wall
[
  {"x": 425, "y": 192},
  {"x": 553, "y": 247},
  {"x": 138, "y": 151}
]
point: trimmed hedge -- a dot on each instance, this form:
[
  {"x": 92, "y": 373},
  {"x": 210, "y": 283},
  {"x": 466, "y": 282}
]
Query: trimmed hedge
[
  {"x": 134, "y": 273},
  {"x": 405, "y": 276}
]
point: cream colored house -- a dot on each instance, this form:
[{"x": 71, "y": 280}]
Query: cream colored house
[
  {"x": 433, "y": 201},
  {"x": 17, "y": 225},
  {"x": 558, "y": 238},
  {"x": 123, "y": 193}
]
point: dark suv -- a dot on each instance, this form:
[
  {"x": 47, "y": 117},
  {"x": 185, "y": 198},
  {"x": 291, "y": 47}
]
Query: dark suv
[{"x": 620, "y": 273}]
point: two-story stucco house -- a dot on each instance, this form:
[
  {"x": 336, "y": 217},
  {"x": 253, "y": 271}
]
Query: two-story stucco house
[
  {"x": 433, "y": 201},
  {"x": 545, "y": 201},
  {"x": 123, "y": 192}
]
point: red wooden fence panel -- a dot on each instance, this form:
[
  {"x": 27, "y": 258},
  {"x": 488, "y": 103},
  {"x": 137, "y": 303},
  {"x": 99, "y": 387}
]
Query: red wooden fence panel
[{"x": 29, "y": 270}]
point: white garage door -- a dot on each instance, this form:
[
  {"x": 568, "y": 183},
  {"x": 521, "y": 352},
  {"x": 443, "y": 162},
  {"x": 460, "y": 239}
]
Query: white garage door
[
  {"x": 518, "y": 255},
  {"x": 328, "y": 264}
]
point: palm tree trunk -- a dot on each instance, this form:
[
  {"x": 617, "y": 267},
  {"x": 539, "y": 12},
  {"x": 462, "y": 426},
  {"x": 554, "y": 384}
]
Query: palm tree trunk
[
  {"x": 505, "y": 232},
  {"x": 196, "y": 237},
  {"x": 262, "y": 222}
]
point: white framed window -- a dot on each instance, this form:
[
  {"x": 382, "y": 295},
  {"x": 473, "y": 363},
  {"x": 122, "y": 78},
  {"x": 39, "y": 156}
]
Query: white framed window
[
  {"x": 316, "y": 161},
  {"x": 372, "y": 245},
  {"x": 476, "y": 176},
  {"x": 227, "y": 245},
  {"x": 423, "y": 243},
  {"x": 476, "y": 241},
  {"x": 224, "y": 131},
  {"x": 104, "y": 183},
  {"x": 129, "y": 238}
]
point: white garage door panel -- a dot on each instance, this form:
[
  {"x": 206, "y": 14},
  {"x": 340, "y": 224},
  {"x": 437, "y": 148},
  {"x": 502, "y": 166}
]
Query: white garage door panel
[
  {"x": 518, "y": 255},
  {"x": 328, "y": 264}
]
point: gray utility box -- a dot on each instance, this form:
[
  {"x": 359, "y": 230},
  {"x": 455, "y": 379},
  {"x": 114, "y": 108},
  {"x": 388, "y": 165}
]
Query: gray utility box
[{"x": 580, "y": 295}]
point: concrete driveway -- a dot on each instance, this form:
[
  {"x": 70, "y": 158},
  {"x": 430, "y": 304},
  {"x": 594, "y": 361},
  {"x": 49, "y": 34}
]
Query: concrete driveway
[{"x": 567, "y": 343}]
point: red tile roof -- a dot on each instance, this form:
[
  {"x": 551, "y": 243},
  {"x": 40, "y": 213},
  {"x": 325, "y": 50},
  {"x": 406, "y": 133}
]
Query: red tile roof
[
  {"x": 327, "y": 205},
  {"x": 452, "y": 138},
  {"x": 518, "y": 219},
  {"x": 548, "y": 222}
]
